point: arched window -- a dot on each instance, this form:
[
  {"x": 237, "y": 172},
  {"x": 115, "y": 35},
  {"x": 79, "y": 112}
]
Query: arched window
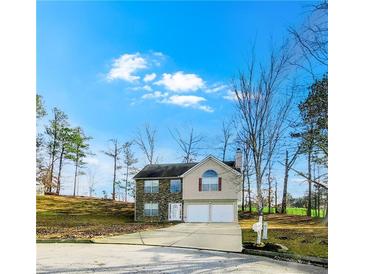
[{"x": 210, "y": 181}]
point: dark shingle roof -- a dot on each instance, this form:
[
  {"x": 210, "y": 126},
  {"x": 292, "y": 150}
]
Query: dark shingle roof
[
  {"x": 164, "y": 170},
  {"x": 168, "y": 170}
]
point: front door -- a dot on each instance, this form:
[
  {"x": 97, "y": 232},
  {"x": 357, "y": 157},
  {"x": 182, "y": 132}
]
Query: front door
[{"x": 174, "y": 211}]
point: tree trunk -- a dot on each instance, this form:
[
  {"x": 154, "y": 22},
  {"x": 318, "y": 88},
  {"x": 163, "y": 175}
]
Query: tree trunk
[
  {"x": 53, "y": 155},
  {"x": 249, "y": 193},
  {"x": 243, "y": 191},
  {"x": 326, "y": 215},
  {"x": 115, "y": 171},
  {"x": 126, "y": 185},
  {"x": 75, "y": 177},
  {"x": 260, "y": 202},
  {"x": 319, "y": 201},
  {"x": 285, "y": 185},
  {"x": 309, "y": 209},
  {"x": 59, "y": 171},
  {"x": 276, "y": 196},
  {"x": 269, "y": 197}
]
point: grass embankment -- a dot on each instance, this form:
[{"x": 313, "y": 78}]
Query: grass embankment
[
  {"x": 63, "y": 217},
  {"x": 300, "y": 234},
  {"x": 300, "y": 211}
]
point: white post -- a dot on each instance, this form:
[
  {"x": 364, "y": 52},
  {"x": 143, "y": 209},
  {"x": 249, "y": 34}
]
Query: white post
[
  {"x": 264, "y": 232},
  {"x": 257, "y": 227},
  {"x": 260, "y": 231}
]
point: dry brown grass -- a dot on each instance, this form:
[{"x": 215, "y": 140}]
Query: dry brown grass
[{"x": 64, "y": 217}]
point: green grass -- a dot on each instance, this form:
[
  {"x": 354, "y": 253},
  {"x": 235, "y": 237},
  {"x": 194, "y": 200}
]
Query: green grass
[
  {"x": 300, "y": 211},
  {"x": 63, "y": 217},
  {"x": 301, "y": 234},
  {"x": 299, "y": 241}
]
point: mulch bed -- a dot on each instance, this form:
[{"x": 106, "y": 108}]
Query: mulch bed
[{"x": 267, "y": 247}]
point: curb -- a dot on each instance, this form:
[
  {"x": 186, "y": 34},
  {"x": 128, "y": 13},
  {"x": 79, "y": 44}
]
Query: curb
[
  {"x": 70, "y": 241},
  {"x": 270, "y": 254},
  {"x": 288, "y": 257}
]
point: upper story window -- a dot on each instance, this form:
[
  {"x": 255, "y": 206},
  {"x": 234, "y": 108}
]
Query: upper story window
[
  {"x": 151, "y": 186},
  {"x": 175, "y": 186},
  {"x": 210, "y": 181}
]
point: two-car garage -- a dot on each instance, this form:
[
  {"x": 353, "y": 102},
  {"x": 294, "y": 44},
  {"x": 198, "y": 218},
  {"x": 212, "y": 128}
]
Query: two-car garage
[{"x": 210, "y": 212}]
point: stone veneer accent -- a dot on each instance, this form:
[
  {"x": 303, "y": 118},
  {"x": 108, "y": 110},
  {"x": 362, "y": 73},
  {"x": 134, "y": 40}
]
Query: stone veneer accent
[{"x": 163, "y": 198}]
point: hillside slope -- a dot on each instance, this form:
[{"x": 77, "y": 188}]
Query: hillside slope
[{"x": 65, "y": 217}]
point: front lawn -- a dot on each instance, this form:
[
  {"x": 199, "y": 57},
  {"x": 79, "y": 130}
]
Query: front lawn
[
  {"x": 63, "y": 217},
  {"x": 300, "y": 234}
]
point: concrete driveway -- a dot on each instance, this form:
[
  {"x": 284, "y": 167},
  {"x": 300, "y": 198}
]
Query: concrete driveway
[
  {"x": 210, "y": 236},
  {"x": 111, "y": 258}
]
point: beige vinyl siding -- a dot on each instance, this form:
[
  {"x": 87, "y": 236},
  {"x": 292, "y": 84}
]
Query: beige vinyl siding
[{"x": 231, "y": 183}]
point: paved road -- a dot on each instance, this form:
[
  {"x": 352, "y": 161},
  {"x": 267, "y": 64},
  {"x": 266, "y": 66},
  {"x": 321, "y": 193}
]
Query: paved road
[
  {"x": 212, "y": 236},
  {"x": 116, "y": 258}
]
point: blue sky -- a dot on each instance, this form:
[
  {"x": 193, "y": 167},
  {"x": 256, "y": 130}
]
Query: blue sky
[{"x": 113, "y": 66}]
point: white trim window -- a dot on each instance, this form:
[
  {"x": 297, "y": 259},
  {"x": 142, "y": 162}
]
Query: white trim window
[
  {"x": 151, "y": 186},
  {"x": 175, "y": 186},
  {"x": 210, "y": 181},
  {"x": 151, "y": 209}
]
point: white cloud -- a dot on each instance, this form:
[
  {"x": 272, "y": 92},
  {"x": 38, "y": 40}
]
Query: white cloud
[
  {"x": 231, "y": 95},
  {"x": 206, "y": 108},
  {"x": 147, "y": 88},
  {"x": 125, "y": 66},
  {"x": 181, "y": 82},
  {"x": 159, "y": 54},
  {"x": 188, "y": 101},
  {"x": 154, "y": 95},
  {"x": 92, "y": 161},
  {"x": 149, "y": 77},
  {"x": 215, "y": 88}
]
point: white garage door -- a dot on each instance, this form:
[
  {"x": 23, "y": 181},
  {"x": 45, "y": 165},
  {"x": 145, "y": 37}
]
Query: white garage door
[
  {"x": 222, "y": 213},
  {"x": 198, "y": 213}
]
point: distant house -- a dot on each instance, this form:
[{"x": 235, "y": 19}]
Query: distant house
[
  {"x": 206, "y": 191},
  {"x": 39, "y": 188}
]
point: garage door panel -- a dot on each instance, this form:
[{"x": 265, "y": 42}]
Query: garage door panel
[
  {"x": 198, "y": 213},
  {"x": 222, "y": 213}
]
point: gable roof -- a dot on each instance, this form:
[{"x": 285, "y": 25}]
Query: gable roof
[
  {"x": 229, "y": 165},
  {"x": 172, "y": 170}
]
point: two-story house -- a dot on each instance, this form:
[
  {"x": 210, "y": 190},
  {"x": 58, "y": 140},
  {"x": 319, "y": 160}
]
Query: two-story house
[{"x": 207, "y": 191}]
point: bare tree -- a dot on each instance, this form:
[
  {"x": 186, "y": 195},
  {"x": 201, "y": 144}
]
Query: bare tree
[
  {"x": 269, "y": 181},
  {"x": 226, "y": 138},
  {"x": 276, "y": 196},
  {"x": 311, "y": 39},
  {"x": 246, "y": 167},
  {"x": 288, "y": 164},
  {"x": 114, "y": 152},
  {"x": 91, "y": 181},
  {"x": 262, "y": 117},
  {"x": 146, "y": 141},
  {"x": 248, "y": 171},
  {"x": 189, "y": 145},
  {"x": 315, "y": 181}
]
